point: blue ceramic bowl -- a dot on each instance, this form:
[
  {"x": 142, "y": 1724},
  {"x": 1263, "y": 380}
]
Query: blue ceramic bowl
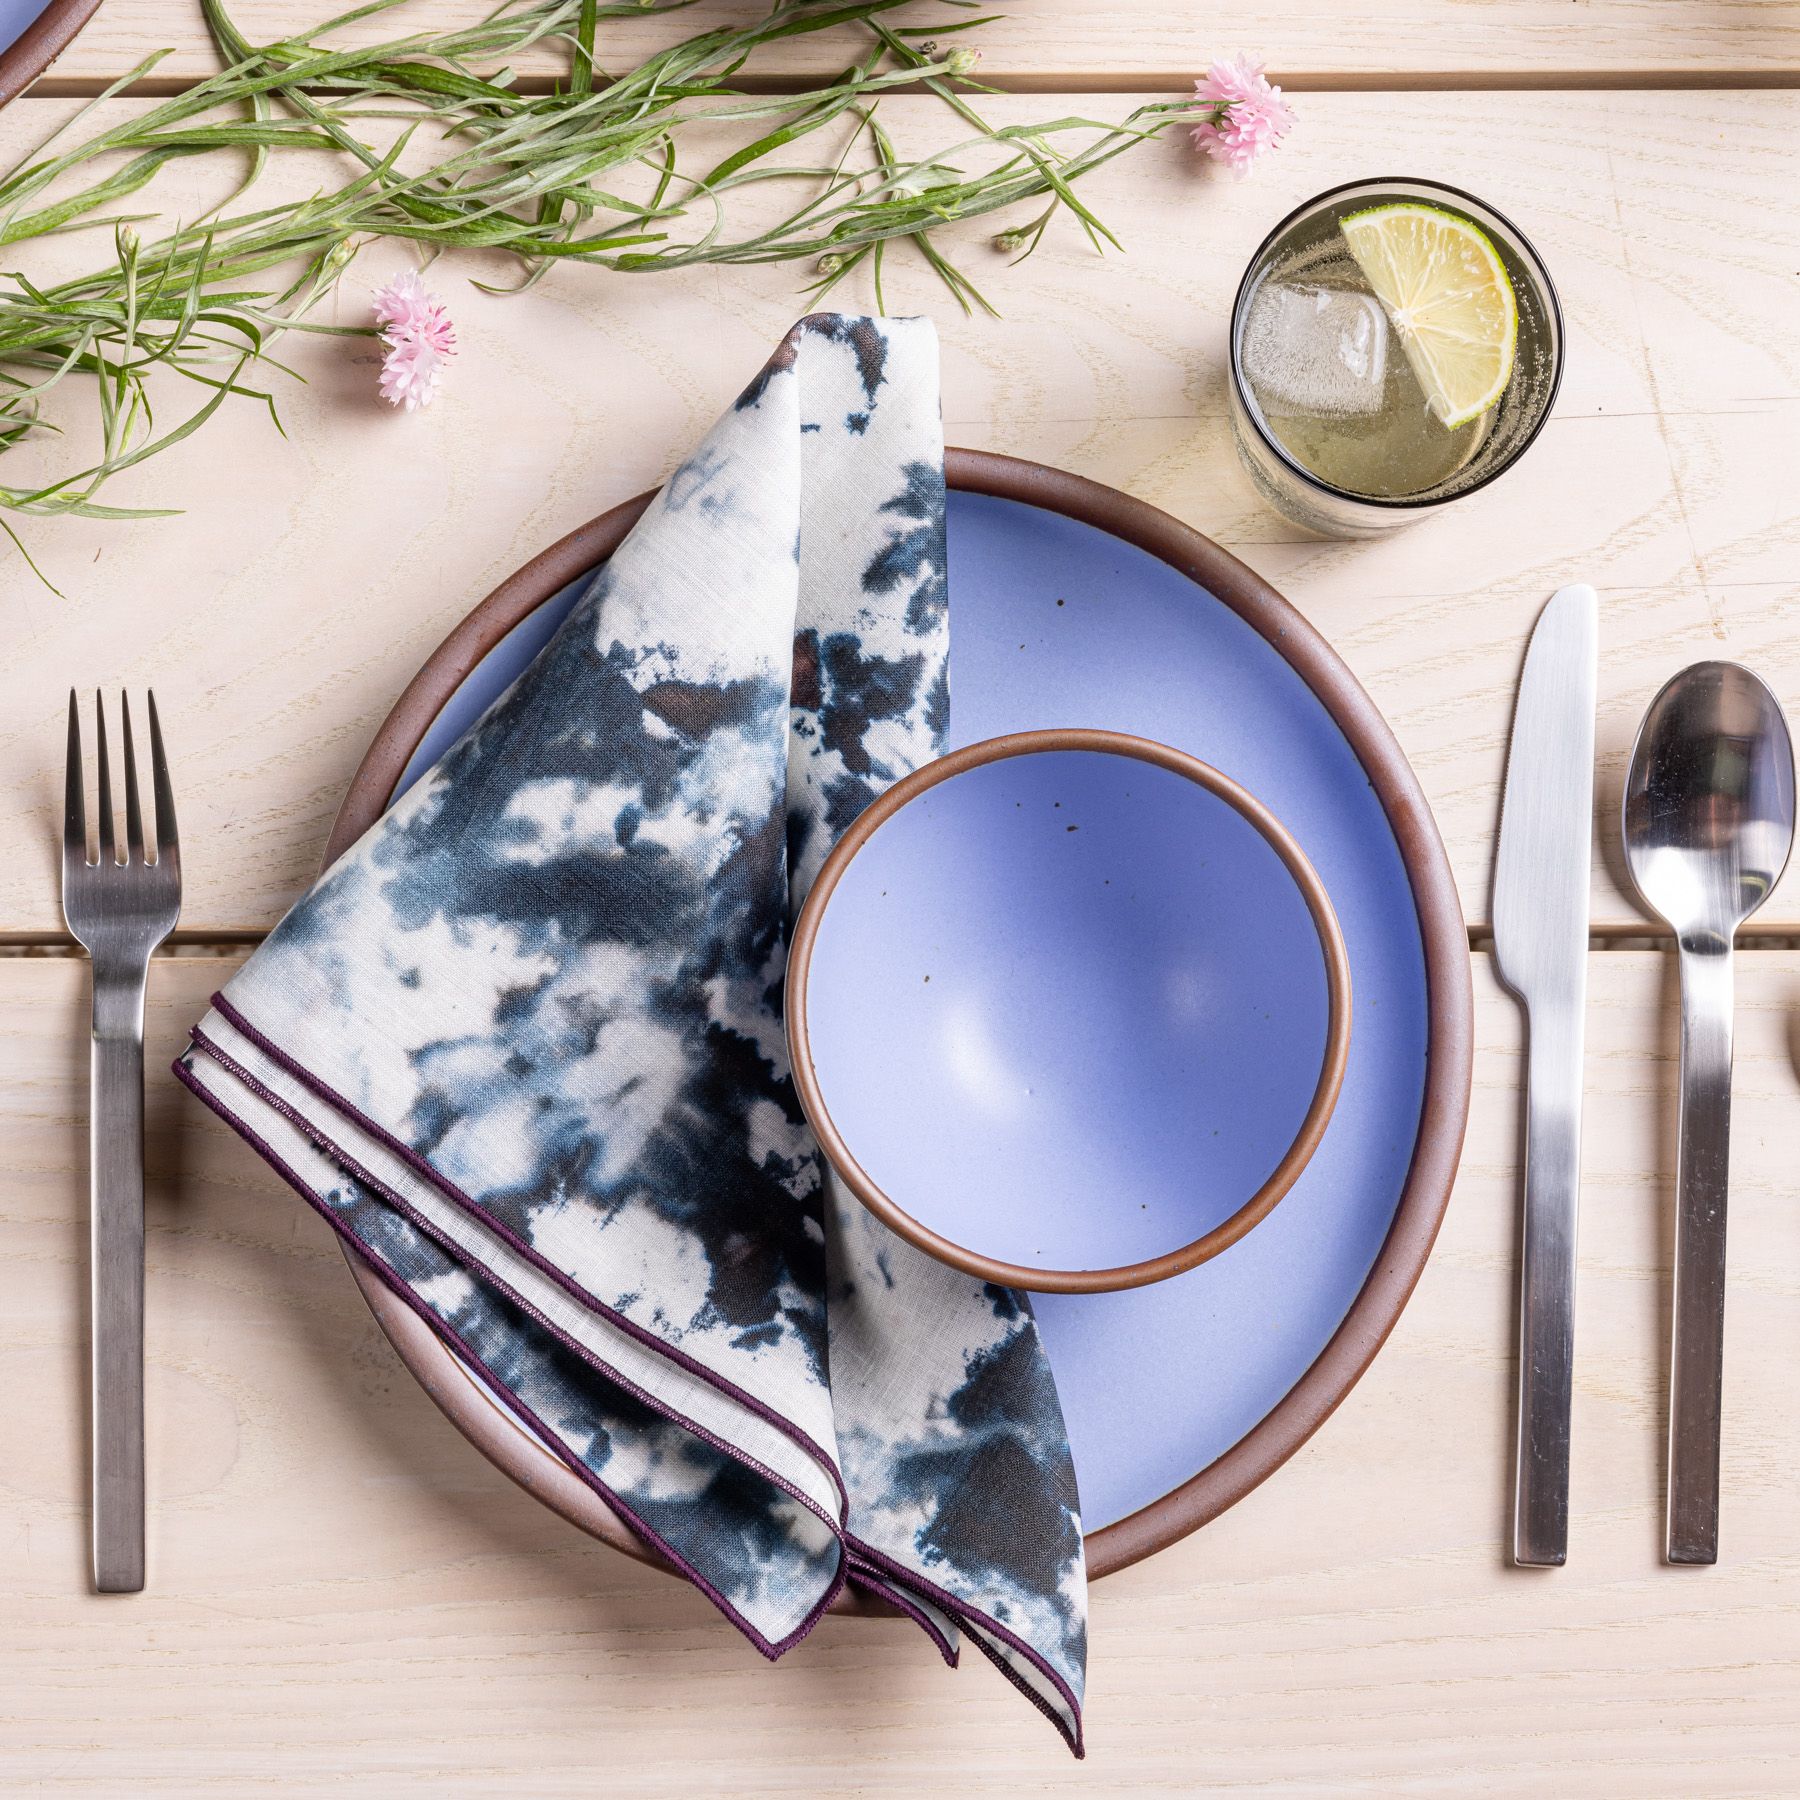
[{"x": 1068, "y": 1010}]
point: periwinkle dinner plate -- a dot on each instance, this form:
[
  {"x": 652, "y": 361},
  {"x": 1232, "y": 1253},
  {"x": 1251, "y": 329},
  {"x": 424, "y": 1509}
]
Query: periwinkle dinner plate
[
  {"x": 33, "y": 33},
  {"x": 1073, "y": 604}
]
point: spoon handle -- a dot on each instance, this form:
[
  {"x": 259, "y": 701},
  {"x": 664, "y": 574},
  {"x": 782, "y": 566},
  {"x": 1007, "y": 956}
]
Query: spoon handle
[{"x": 1697, "y": 1345}]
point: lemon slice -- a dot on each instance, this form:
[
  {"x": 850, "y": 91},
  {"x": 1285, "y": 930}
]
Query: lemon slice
[{"x": 1450, "y": 298}]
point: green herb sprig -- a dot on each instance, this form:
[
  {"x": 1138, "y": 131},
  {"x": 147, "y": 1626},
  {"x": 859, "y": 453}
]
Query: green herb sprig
[{"x": 474, "y": 160}]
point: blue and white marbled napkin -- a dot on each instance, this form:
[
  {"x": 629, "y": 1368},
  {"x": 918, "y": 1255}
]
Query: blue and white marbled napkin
[{"x": 522, "y": 1046}]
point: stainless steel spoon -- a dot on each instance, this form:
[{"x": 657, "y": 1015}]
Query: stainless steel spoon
[{"x": 1709, "y": 822}]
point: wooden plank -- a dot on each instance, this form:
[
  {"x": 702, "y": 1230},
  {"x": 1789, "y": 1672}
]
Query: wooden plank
[
  {"x": 1152, "y": 43},
  {"x": 283, "y": 612},
  {"x": 343, "y": 1593}
]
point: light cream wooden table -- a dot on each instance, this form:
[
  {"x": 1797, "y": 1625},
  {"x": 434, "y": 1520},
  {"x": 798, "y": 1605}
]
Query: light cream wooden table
[{"x": 344, "y": 1597}]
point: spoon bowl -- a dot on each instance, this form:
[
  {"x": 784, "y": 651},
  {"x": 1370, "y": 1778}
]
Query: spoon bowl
[
  {"x": 1709, "y": 803},
  {"x": 1709, "y": 823}
]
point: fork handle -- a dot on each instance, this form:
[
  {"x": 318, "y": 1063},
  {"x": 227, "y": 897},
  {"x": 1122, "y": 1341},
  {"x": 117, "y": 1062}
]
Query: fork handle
[{"x": 116, "y": 1263}]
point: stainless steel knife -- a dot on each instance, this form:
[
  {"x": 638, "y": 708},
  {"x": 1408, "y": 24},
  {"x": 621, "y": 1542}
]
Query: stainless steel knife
[{"x": 1541, "y": 878}]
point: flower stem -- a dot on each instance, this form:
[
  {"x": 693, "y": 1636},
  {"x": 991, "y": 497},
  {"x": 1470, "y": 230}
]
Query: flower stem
[{"x": 475, "y": 163}]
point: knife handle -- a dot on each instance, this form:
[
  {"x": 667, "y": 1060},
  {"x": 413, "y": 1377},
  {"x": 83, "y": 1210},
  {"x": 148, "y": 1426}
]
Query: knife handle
[
  {"x": 1697, "y": 1343},
  {"x": 1547, "y": 1298}
]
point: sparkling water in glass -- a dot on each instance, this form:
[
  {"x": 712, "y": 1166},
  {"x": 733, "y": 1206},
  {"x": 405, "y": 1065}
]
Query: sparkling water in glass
[{"x": 1329, "y": 417}]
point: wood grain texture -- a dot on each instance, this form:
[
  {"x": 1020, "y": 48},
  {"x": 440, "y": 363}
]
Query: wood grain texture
[
  {"x": 282, "y": 613},
  {"x": 1070, "y": 44},
  {"x": 344, "y": 1596}
]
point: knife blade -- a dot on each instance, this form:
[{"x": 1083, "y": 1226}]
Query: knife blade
[{"x": 1541, "y": 886}]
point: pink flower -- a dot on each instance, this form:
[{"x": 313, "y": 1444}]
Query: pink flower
[
  {"x": 1245, "y": 114},
  {"x": 420, "y": 339}
]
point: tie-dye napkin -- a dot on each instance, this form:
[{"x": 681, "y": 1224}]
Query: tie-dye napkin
[{"x": 522, "y": 1046}]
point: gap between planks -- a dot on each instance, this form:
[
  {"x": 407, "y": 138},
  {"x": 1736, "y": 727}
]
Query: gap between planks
[
  {"x": 1142, "y": 81},
  {"x": 226, "y": 940}
]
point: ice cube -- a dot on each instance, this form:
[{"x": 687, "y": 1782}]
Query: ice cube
[{"x": 1318, "y": 350}]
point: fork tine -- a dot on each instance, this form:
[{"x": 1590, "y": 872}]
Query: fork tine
[
  {"x": 168, "y": 845},
  {"x": 107, "y": 852},
  {"x": 74, "y": 798},
  {"x": 134, "y": 819}
]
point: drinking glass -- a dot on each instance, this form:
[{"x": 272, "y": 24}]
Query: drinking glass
[{"x": 1307, "y": 392}]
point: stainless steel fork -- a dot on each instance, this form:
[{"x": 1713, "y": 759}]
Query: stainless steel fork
[{"x": 119, "y": 909}]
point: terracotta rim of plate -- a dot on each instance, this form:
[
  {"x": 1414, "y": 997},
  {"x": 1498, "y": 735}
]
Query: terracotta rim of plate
[
  {"x": 1444, "y": 1108},
  {"x": 41, "y": 43},
  {"x": 1335, "y": 1057}
]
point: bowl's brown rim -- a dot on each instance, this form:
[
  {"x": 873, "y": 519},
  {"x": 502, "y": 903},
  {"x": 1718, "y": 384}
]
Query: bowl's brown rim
[
  {"x": 1335, "y": 1052},
  {"x": 1444, "y": 1108},
  {"x": 41, "y": 43}
]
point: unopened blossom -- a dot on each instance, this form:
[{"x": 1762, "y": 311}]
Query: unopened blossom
[
  {"x": 1244, "y": 113},
  {"x": 420, "y": 339}
]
